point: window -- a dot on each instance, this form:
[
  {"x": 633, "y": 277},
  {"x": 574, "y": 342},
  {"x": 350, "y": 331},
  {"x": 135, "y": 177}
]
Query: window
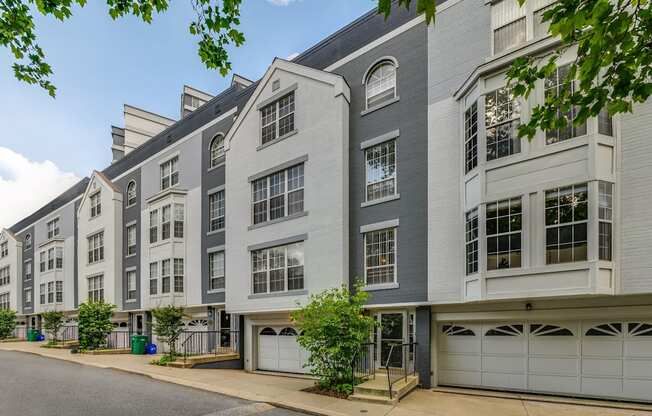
[
  {"x": 59, "y": 291},
  {"x": 472, "y": 241},
  {"x": 514, "y": 330},
  {"x": 28, "y": 296},
  {"x": 53, "y": 228},
  {"x": 605, "y": 123},
  {"x": 277, "y": 118},
  {"x": 216, "y": 150},
  {"x": 170, "y": 173},
  {"x": 4, "y": 249},
  {"x": 96, "y": 288},
  {"x": 278, "y": 269},
  {"x": 4, "y": 276},
  {"x": 96, "y": 248},
  {"x": 614, "y": 329},
  {"x": 165, "y": 222},
  {"x": 510, "y": 35},
  {"x": 504, "y": 234},
  {"x": 605, "y": 213},
  {"x": 178, "y": 275},
  {"x": 4, "y": 301},
  {"x": 131, "y": 285},
  {"x": 216, "y": 211},
  {"x": 42, "y": 294},
  {"x": 502, "y": 118},
  {"x": 28, "y": 270},
  {"x": 471, "y": 138},
  {"x": 59, "y": 258},
  {"x": 96, "y": 204},
  {"x": 165, "y": 276},
  {"x": 50, "y": 258},
  {"x": 131, "y": 240},
  {"x": 216, "y": 270},
  {"x": 566, "y": 224},
  {"x": 381, "y": 170},
  {"x": 542, "y": 330},
  {"x": 380, "y": 256},
  {"x": 278, "y": 195},
  {"x": 541, "y": 27},
  {"x": 153, "y": 226},
  {"x": 153, "y": 278},
  {"x": 560, "y": 83},
  {"x": 50, "y": 292},
  {"x": 42, "y": 261},
  {"x": 28, "y": 242},
  {"x": 131, "y": 194},
  {"x": 381, "y": 84},
  {"x": 457, "y": 330},
  {"x": 178, "y": 221}
]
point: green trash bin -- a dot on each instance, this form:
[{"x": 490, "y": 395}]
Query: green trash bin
[
  {"x": 32, "y": 335},
  {"x": 138, "y": 343}
]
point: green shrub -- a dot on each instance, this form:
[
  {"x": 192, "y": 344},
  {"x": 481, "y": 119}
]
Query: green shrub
[
  {"x": 167, "y": 325},
  {"x": 7, "y": 323},
  {"x": 164, "y": 360},
  {"x": 94, "y": 324},
  {"x": 52, "y": 323}
]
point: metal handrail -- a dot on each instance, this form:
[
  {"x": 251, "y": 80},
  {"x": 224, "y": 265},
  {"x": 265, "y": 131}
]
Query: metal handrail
[
  {"x": 223, "y": 341},
  {"x": 364, "y": 362},
  {"x": 405, "y": 363}
]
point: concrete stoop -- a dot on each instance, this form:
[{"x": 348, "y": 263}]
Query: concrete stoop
[
  {"x": 194, "y": 360},
  {"x": 376, "y": 389}
]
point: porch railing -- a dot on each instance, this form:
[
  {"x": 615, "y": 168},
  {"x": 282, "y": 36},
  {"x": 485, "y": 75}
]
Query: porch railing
[
  {"x": 118, "y": 340},
  {"x": 400, "y": 363},
  {"x": 211, "y": 342},
  {"x": 364, "y": 363}
]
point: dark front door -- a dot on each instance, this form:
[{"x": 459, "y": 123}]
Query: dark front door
[
  {"x": 225, "y": 326},
  {"x": 391, "y": 334}
]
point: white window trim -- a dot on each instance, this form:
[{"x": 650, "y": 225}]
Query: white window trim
[
  {"x": 135, "y": 190},
  {"x": 365, "y": 81},
  {"x": 388, "y": 285},
  {"x": 396, "y": 194},
  {"x": 169, "y": 159},
  {"x": 219, "y": 161}
]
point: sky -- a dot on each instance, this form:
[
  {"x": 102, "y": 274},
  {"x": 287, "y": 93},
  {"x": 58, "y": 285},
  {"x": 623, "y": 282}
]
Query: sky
[{"x": 47, "y": 145}]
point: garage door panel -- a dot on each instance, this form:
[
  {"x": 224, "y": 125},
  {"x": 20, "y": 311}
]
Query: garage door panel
[
  {"x": 503, "y": 364},
  {"x": 554, "y": 366},
  {"x": 638, "y": 348},
  {"x": 602, "y": 367},
  {"x": 601, "y": 386},
  {"x": 460, "y": 344},
  {"x": 507, "y": 381},
  {"x": 554, "y": 345},
  {"x": 460, "y": 362},
  {"x": 638, "y": 369},
  {"x": 503, "y": 345},
  {"x": 460, "y": 378},
  {"x": 602, "y": 347},
  {"x": 554, "y": 384},
  {"x": 637, "y": 389}
]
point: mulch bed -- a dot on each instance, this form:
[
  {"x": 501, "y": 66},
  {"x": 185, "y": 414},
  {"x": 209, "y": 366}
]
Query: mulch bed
[{"x": 325, "y": 392}]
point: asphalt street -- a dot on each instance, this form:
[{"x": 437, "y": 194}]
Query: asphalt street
[{"x": 33, "y": 385}]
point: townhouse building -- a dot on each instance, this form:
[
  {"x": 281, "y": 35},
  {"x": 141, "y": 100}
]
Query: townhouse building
[{"x": 386, "y": 154}]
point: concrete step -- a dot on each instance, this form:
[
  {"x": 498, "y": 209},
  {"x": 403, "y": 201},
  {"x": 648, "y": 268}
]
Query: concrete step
[
  {"x": 377, "y": 390},
  {"x": 192, "y": 361}
]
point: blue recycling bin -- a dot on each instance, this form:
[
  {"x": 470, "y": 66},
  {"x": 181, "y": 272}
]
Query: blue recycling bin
[{"x": 150, "y": 349}]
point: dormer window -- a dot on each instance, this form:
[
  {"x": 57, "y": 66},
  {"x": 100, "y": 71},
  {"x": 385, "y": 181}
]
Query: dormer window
[
  {"x": 277, "y": 118},
  {"x": 381, "y": 84},
  {"x": 96, "y": 204},
  {"x": 131, "y": 194},
  {"x": 216, "y": 150},
  {"x": 170, "y": 173}
]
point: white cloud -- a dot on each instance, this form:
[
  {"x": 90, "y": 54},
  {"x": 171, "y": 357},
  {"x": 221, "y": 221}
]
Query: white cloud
[
  {"x": 27, "y": 185},
  {"x": 292, "y": 56},
  {"x": 281, "y": 2}
]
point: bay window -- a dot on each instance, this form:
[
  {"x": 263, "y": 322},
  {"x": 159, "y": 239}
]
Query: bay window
[
  {"x": 557, "y": 84},
  {"x": 502, "y": 118},
  {"x": 471, "y": 241},
  {"x": 605, "y": 220},
  {"x": 566, "y": 219},
  {"x": 503, "y": 227}
]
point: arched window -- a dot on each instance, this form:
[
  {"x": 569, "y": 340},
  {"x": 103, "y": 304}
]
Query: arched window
[
  {"x": 381, "y": 83},
  {"x": 28, "y": 241},
  {"x": 288, "y": 332},
  {"x": 131, "y": 193},
  {"x": 217, "y": 149},
  {"x": 268, "y": 331}
]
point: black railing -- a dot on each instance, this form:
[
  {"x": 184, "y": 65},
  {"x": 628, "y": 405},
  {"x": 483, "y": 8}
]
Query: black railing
[
  {"x": 364, "y": 363},
  {"x": 118, "y": 340},
  {"x": 211, "y": 342},
  {"x": 400, "y": 363}
]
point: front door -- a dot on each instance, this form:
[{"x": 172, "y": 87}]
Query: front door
[
  {"x": 392, "y": 333},
  {"x": 225, "y": 326}
]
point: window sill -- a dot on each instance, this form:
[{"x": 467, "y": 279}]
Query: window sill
[
  {"x": 219, "y": 164},
  {"x": 211, "y": 292},
  {"x": 380, "y": 201},
  {"x": 166, "y": 241},
  {"x": 130, "y": 301},
  {"x": 219, "y": 230},
  {"x": 382, "y": 286},
  {"x": 379, "y": 106},
  {"x": 278, "y": 139},
  {"x": 278, "y": 294},
  {"x": 277, "y": 220},
  {"x": 130, "y": 255},
  {"x": 130, "y": 206},
  {"x": 95, "y": 262}
]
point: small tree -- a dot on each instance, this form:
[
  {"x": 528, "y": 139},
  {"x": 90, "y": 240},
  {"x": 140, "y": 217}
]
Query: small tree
[
  {"x": 94, "y": 324},
  {"x": 52, "y": 323},
  {"x": 334, "y": 327},
  {"x": 7, "y": 323},
  {"x": 168, "y": 324}
]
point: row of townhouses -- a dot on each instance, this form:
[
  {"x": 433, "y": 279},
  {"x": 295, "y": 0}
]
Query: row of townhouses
[{"x": 386, "y": 153}]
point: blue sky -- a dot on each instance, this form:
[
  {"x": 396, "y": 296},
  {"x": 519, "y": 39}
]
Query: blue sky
[{"x": 100, "y": 64}]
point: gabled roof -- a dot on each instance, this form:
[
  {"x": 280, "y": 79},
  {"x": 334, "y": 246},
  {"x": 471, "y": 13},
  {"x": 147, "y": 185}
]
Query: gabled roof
[
  {"x": 102, "y": 178},
  {"x": 7, "y": 232}
]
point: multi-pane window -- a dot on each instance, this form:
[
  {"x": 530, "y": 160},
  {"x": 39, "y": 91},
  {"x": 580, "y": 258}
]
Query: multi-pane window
[
  {"x": 4, "y": 301},
  {"x": 178, "y": 220},
  {"x": 277, "y": 118},
  {"x": 555, "y": 85},
  {"x": 131, "y": 240},
  {"x": 28, "y": 296},
  {"x": 381, "y": 84},
  {"x": 50, "y": 292},
  {"x": 165, "y": 276},
  {"x": 605, "y": 123},
  {"x": 59, "y": 291},
  {"x": 510, "y": 35},
  {"x": 278, "y": 269},
  {"x": 53, "y": 228},
  {"x": 216, "y": 211},
  {"x": 96, "y": 248},
  {"x": 153, "y": 278},
  {"x": 178, "y": 275},
  {"x": 605, "y": 217},
  {"x": 42, "y": 293},
  {"x": 50, "y": 258},
  {"x": 4, "y": 276},
  {"x": 170, "y": 173},
  {"x": 566, "y": 224},
  {"x": 502, "y": 118},
  {"x": 153, "y": 226},
  {"x": 4, "y": 249},
  {"x": 216, "y": 270},
  {"x": 96, "y": 288},
  {"x": 165, "y": 222},
  {"x": 471, "y": 138},
  {"x": 380, "y": 256},
  {"x": 96, "y": 204},
  {"x": 131, "y": 285},
  {"x": 471, "y": 239},
  {"x": 28, "y": 270},
  {"x": 216, "y": 150},
  {"x": 381, "y": 170},
  {"x": 503, "y": 225},
  {"x": 541, "y": 27},
  {"x": 42, "y": 261},
  {"x": 278, "y": 195},
  {"x": 59, "y": 258},
  {"x": 131, "y": 194}
]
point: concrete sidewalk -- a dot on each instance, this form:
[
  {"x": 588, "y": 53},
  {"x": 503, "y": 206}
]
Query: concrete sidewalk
[{"x": 286, "y": 392}]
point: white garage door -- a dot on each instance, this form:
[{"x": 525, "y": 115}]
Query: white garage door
[
  {"x": 602, "y": 359},
  {"x": 278, "y": 350}
]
